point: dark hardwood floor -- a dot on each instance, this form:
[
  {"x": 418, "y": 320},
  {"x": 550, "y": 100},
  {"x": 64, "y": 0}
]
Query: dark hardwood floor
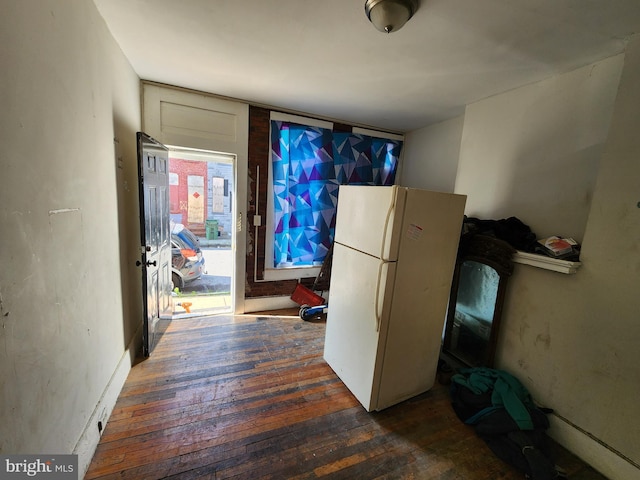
[{"x": 250, "y": 397}]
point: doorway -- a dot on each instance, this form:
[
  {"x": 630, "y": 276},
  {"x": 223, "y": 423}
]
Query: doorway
[{"x": 202, "y": 198}]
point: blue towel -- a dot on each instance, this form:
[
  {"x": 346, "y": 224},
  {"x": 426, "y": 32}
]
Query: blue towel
[{"x": 507, "y": 392}]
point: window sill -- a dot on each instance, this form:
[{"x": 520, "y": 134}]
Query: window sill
[
  {"x": 546, "y": 263},
  {"x": 274, "y": 274}
]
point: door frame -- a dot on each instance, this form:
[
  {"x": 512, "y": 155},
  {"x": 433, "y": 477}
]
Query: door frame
[{"x": 202, "y": 121}]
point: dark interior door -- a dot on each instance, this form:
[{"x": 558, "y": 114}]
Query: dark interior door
[{"x": 153, "y": 172}]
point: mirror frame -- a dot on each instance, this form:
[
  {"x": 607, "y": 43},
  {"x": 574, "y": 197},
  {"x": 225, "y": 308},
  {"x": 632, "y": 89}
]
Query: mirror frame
[{"x": 496, "y": 254}]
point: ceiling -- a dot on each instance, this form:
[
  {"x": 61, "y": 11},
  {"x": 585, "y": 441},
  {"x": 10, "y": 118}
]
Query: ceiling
[{"x": 324, "y": 58}]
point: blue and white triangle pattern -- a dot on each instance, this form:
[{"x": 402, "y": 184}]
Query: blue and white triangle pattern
[{"x": 309, "y": 165}]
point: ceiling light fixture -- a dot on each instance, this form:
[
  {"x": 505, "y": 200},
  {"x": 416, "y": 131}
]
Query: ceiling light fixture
[{"x": 390, "y": 15}]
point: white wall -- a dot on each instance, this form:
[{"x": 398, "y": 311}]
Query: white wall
[
  {"x": 69, "y": 292},
  {"x": 533, "y": 152},
  {"x": 606, "y": 325},
  {"x": 546, "y": 154},
  {"x": 430, "y": 156}
]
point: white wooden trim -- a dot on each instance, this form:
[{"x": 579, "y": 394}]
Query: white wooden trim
[
  {"x": 193, "y": 122},
  {"x": 377, "y": 134},
  {"x": 261, "y": 304},
  {"x": 312, "y": 122},
  {"x": 272, "y": 274},
  {"x": 547, "y": 263},
  {"x": 592, "y": 452}
]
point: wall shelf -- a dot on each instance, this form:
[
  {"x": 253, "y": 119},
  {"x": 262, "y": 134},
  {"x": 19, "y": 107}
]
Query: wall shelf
[{"x": 547, "y": 263}]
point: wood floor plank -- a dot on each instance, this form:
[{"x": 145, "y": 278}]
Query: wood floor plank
[{"x": 250, "y": 397}]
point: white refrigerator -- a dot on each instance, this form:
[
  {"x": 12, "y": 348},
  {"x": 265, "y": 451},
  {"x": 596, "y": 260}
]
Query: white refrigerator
[{"x": 393, "y": 259}]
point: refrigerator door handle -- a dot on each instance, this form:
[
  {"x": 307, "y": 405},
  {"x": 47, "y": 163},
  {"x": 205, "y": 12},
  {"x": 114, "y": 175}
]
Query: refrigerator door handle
[
  {"x": 392, "y": 206},
  {"x": 377, "y": 303}
]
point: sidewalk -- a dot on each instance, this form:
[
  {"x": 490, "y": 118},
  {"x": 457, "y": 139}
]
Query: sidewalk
[
  {"x": 200, "y": 305},
  {"x": 223, "y": 241}
]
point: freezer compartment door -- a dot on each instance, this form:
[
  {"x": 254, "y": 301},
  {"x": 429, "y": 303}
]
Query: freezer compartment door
[
  {"x": 369, "y": 219},
  {"x": 353, "y": 344}
]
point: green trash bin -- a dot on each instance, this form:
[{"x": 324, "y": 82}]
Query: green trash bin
[{"x": 212, "y": 229}]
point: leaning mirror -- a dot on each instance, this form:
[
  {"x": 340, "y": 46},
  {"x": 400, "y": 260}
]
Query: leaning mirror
[{"x": 475, "y": 305}]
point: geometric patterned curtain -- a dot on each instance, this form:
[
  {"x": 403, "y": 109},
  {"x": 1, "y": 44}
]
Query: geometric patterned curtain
[{"x": 309, "y": 165}]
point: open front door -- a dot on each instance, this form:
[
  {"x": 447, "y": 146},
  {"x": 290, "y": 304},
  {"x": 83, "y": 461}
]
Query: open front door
[{"x": 153, "y": 173}]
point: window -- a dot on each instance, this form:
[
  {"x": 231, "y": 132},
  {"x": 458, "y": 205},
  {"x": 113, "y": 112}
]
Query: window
[
  {"x": 218, "y": 194},
  {"x": 308, "y": 164}
]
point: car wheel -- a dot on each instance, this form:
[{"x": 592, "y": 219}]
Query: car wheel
[{"x": 176, "y": 282}]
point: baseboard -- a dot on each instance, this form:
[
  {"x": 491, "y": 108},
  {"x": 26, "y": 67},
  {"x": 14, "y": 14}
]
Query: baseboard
[
  {"x": 261, "y": 304},
  {"x": 86, "y": 446},
  {"x": 605, "y": 460}
]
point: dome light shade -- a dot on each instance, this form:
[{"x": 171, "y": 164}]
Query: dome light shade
[{"x": 390, "y": 15}]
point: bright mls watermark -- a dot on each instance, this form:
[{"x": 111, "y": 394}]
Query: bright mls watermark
[{"x": 51, "y": 467}]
